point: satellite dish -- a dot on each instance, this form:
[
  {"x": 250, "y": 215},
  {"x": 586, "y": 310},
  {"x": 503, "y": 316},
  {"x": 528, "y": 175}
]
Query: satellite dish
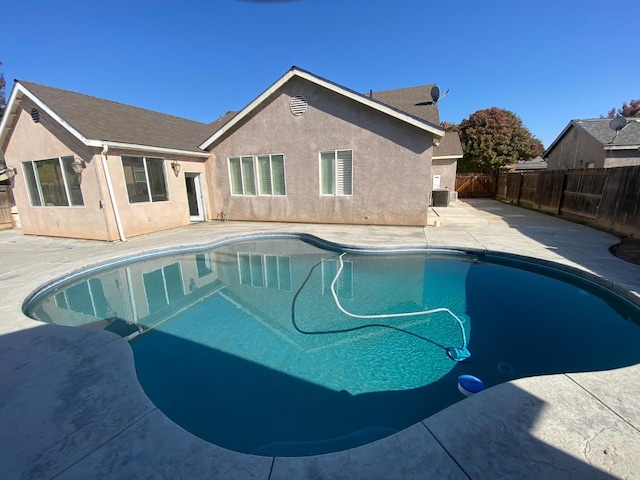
[
  {"x": 435, "y": 93},
  {"x": 618, "y": 124}
]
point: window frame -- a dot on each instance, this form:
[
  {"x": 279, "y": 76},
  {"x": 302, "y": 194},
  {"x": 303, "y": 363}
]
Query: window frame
[
  {"x": 336, "y": 187},
  {"x": 34, "y": 175},
  {"x": 137, "y": 178},
  {"x": 258, "y": 177},
  {"x": 255, "y": 183},
  {"x": 242, "y": 179}
]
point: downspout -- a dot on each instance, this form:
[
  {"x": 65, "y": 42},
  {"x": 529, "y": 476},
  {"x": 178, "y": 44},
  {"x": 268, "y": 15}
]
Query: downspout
[
  {"x": 104, "y": 210},
  {"x": 116, "y": 212}
]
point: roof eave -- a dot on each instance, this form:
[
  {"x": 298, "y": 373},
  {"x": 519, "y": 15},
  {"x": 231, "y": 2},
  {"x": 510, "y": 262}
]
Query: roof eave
[
  {"x": 293, "y": 72},
  {"x": 20, "y": 90},
  {"x": 622, "y": 147}
]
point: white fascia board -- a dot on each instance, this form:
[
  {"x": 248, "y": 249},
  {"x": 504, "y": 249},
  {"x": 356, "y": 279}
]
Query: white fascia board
[
  {"x": 435, "y": 131},
  {"x": 421, "y": 124},
  {"x": 147, "y": 148},
  {"x": 446, "y": 157},
  {"x": 246, "y": 110},
  {"x": 51, "y": 113},
  {"x": 622, "y": 147},
  {"x": 20, "y": 89}
]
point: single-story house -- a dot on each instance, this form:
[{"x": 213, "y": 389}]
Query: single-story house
[
  {"x": 593, "y": 143},
  {"x": 305, "y": 150}
]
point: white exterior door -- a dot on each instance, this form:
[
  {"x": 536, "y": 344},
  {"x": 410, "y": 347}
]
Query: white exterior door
[{"x": 194, "y": 195}]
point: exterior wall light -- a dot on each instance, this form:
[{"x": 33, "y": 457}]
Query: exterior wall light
[
  {"x": 77, "y": 166},
  {"x": 10, "y": 172},
  {"x": 176, "y": 167}
]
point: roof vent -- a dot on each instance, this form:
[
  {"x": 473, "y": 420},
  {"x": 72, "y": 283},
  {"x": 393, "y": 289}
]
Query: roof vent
[
  {"x": 298, "y": 105},
  {"x": 35, "y": 115}
]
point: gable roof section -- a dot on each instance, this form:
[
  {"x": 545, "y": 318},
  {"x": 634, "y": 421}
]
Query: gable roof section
[
  {"x": 598, "y": 129},
  {"x": 450, "y": 147},
  {"x": 96, "y": 122},
  {"x": 420, "y": 123},
  {"x": 415, "y": 101}
]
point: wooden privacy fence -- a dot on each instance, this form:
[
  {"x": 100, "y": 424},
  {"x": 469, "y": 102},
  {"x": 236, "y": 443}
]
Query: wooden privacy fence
[
  {"x": 475, "y": 186},
  {"x": 6, "y": 202},
  {"x": 605, "y": 198}
]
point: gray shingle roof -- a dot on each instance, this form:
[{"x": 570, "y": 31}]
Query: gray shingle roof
[
  {"x": 99, "y": 119},
  {"x": 416, "y": 102},
  {"x": 411, "y": 100},
  {"x": 599, "y": 129},
  {"x": 449, "y": 146}
]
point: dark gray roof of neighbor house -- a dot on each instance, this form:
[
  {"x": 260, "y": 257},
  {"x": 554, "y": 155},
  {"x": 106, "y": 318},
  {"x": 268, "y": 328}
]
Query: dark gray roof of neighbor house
[
  {"x": 415, "y": 101},
  {"x": 105, "y": 120},
  {"x": 599, "y": 129},
  {"x": 449, "y": 146}
]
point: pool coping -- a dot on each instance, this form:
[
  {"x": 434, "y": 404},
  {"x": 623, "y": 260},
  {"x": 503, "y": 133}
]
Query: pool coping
[{"x": 557, "y": 439}]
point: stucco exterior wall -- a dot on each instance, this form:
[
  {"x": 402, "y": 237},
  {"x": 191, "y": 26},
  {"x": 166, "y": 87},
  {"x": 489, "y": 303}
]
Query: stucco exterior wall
[
  {"x": 573, "y": 148},
  {"x": 391, "y": 161},
  {"x": 94, "y": 220},
  {"x": 446, "y": 168},
  {"x": 147, "y": 217},
  {"x": 47, "y": 139},
  {"x": 621, "y": 158}
]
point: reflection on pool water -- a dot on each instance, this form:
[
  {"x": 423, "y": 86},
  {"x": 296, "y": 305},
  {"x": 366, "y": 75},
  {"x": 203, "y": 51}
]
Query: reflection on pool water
[{"x": 245, "y": 346}]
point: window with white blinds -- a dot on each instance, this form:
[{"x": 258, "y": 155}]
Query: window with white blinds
[
  {"x": 241, "y": 176},
  {"x": 271, "y": 174},
  {"x": 336, "y": 172},
  {"x": 268, "y": 170}
]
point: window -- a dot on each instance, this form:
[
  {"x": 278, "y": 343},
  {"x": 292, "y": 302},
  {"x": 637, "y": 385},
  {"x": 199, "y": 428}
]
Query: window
[
  {"x": 269, "y": 170},
  {"x": 336, "y": 172},
  {"x": 52, "y": 183},
  {"x": 271, "y": 174},
  {"x": 271, "y": 271},
  {"x": 145, "y": 179},
  {"x": 241, "y": 174}
]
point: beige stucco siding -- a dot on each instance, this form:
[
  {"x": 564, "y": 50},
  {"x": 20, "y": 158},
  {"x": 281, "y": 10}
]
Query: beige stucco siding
[
  {"x": 446, "y": 168},
  {"x": 391, "y": 161},
  {"x": 47, "y": 139},
  {"x": 145, "y": 217},
  {"x": 96, "y": 220}
]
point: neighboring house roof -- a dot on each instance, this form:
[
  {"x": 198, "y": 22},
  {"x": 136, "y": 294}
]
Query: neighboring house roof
[
  {"x": 295, "y": 72},
  {"x": 415, "y": 101},
  {"x": 449, "y": 147},
  {"x": 534, "y": 164},
  {"x": 96, "y": 121},
  {"x": 599, "y": 130}
]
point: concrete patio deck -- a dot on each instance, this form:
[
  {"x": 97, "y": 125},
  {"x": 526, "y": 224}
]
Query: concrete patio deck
[{"x": 71, "y": 406}]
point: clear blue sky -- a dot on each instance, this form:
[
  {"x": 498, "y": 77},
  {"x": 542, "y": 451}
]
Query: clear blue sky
[{"x": 547, "y": 61}]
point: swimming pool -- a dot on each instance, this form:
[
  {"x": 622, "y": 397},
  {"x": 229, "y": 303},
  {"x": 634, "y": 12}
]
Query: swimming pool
[{"x": 245, "y": 345}]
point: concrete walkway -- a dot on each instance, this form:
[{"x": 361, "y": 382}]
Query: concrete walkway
[{"x": 71, "y": 406}]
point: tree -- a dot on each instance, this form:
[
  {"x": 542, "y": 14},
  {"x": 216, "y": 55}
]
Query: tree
[
  {"x": 495, "y": 138},
  {"x": 630, "y": 110},
  {"x": 2, "y": 98}
]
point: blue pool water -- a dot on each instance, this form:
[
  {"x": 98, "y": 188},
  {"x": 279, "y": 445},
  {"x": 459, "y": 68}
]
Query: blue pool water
[{"x": 245, "y": 345}]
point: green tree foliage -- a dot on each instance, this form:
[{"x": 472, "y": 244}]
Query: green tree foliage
[
  {"x": 494, "y": 138},
  {"x": 2, "y": 97},
  {"x": 628, "y": 110}
]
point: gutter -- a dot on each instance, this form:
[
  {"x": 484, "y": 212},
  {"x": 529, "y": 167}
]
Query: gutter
[{"x": 112, "y": 197}]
